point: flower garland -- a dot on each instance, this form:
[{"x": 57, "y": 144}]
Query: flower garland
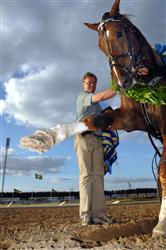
[{"x": 143, "y": 93}]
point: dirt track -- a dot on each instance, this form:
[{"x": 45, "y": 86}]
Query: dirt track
[{"x": 59, "y": 227}]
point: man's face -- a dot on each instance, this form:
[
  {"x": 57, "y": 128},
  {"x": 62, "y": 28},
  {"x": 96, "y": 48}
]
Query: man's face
[{"x": 89, "y": 84}]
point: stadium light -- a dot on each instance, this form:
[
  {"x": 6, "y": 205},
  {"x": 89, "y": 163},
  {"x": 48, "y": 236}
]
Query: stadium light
[{"x": 4, "y": 166}]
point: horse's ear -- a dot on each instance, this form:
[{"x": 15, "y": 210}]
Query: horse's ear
[
  {"x": 115, "y": 8},
  {"x": 92, "y": 26}
]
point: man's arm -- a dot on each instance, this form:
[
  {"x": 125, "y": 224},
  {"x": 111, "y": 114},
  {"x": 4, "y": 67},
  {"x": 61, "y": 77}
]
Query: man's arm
[{"x": 103, "y": 95}]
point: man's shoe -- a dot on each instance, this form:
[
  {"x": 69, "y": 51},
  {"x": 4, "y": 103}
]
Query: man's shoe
[
  {"x": 102, "y": 220},
  {"x": 86, "y": 220}
]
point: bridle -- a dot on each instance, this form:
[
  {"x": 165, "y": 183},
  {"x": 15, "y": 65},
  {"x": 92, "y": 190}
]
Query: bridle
[{"x": 137, "y": 59}]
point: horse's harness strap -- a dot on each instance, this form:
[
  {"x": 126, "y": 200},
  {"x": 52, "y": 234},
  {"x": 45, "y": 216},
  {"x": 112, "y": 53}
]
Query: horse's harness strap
[
  {"x": 149, "y": 123},
  {"x": 156, "y": 130},
  {"x": 106, "y": 21},
  {"x": 154, "y": 81},
  {"x": 146, "y": 117},
  {"x": 108, "y": 47},
  {"x": 111, "y": 58},
  {"x": 162, "y": 161},
  {"x": 116, "y": 58}
]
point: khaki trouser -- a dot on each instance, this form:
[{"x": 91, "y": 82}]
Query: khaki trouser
[{"x": 90, "y": 156}]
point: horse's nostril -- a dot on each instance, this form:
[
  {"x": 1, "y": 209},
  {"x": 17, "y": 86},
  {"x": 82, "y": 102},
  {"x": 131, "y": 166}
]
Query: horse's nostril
[{"x": 127, "y": 84}]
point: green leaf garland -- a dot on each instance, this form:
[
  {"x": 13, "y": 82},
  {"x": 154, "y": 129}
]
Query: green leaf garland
[{"x": 143, "y": 93}]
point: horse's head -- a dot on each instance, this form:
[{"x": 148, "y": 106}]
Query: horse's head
[{"x": 120, "y": 40}]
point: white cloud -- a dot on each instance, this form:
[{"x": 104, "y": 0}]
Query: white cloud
[
  {"x": 120, "y": 180},
  {"x": 117, "y": 183},
  {"x": 2, "y": 107},
  {"x": 139, "y": 136},
  {"x": 11, "y": 151},
  {"x": 24, "y": 166},
  {"x": 36, "y": 99}
]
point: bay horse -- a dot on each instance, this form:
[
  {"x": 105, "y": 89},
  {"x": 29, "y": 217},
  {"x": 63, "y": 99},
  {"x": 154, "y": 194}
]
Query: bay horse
[{"x": 127, "y": 49}]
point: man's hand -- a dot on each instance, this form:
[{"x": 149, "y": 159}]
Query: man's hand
[{"x": 142, "y": 71}]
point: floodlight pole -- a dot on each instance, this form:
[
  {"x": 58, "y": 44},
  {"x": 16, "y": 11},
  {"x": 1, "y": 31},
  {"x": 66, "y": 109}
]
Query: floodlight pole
[{"x": 4, "y": 166}]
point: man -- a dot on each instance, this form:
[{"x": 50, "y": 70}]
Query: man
[
  {"x": 159, "y": 71},
  {"x": 89, "y": 149}
]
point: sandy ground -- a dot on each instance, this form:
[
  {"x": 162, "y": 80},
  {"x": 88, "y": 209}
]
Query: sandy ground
[{"x": 60, "y": 228}]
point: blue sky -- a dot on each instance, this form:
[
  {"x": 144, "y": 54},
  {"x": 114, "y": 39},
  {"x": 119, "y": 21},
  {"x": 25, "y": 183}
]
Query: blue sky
[{"x": 45, "y": 50}]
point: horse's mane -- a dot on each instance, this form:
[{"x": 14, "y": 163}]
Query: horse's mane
[
  {"x": 144, "y": 41},
  {"x": 157, "y": 58}
]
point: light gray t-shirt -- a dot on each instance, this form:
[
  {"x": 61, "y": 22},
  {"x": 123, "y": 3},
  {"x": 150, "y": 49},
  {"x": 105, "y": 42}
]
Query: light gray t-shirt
[{"x": 85, "y": 106}]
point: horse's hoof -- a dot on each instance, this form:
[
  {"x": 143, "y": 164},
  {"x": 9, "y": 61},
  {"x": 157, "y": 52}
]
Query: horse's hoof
[
  {"x": 158, "y": 234},
  {"x": 159, "y": 231},
  {"x": 88, "y": 121}
]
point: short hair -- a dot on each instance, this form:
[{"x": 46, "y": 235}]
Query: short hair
[{"x": 89, "y": 74}]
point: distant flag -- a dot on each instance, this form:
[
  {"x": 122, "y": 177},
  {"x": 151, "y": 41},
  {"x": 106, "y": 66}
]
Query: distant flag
[
  {"x": 38, "y": 176},
  {"x": 53, "y": 190},
  {"x": 129, "y": 184},
  {"x": 17, "y": 191}
]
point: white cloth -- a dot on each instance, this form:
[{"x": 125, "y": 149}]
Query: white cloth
[{"x": 44, "y": 139}]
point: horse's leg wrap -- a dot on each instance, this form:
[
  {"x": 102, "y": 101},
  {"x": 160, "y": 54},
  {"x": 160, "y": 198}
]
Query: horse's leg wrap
[
  {"x": 160, "y": 228},
  {"x": 44, "y": 139}
]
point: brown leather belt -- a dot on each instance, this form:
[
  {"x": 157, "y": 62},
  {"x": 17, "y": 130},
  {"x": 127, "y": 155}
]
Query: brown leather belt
[{"x": 87, "y": 133}]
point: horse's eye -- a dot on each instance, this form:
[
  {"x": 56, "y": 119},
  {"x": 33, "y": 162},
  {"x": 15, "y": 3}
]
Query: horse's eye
[{"x": 119, "y": 34}]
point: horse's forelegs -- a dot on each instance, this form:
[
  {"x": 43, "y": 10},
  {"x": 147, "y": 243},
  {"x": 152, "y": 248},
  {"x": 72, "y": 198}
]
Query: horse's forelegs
[
  {"x": 162, "y": 169},
  {"x": 113, "y": 118},
  {"x": 99, "y": 121},
  {"x": 116, "y": 119},
  {"x": 160, "y": 229}
]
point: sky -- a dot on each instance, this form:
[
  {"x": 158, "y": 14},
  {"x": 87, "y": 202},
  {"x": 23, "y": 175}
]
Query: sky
[{"x": 45, "y": 49}]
